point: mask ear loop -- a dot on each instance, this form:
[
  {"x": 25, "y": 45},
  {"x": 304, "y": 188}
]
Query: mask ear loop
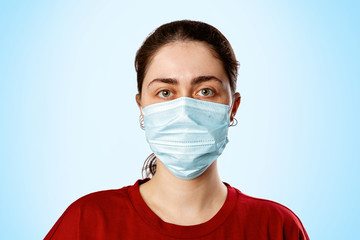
[
  {"x": 234, "y": 122},
  {"x": 141, "y": 121}
]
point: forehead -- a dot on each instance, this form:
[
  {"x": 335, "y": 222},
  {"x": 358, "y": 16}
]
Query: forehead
[{"x": 185, "y": 59}]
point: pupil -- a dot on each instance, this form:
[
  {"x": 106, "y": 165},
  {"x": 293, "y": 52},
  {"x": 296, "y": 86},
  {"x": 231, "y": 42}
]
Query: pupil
[
  {"x": 165, "y": 93},
  {"x": 205, "y": 91}
]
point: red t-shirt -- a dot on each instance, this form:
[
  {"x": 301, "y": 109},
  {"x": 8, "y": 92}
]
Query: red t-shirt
[{"x": 123, "y": 214}]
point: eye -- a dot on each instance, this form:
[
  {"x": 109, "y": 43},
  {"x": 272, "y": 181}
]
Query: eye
[
  {"x": 165, "y": 93},
  {"x": 206, "y": 92}
]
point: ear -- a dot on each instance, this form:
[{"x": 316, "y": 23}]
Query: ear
[
  {"x": 235, "y": 106},
  {"x": 138, "y": 101}
]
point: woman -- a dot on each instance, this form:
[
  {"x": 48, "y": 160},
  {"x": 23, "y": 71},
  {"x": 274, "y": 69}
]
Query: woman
[{"x": 186, "y": 73}]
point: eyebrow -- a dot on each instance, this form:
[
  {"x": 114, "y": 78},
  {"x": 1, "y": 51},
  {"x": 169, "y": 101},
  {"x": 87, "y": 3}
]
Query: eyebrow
[
  {"x": 194, "y": 81},
  {"x": 202, "y": 79}
]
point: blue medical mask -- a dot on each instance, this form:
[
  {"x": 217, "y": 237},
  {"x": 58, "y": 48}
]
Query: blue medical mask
[{"x": 187, "y": 135}]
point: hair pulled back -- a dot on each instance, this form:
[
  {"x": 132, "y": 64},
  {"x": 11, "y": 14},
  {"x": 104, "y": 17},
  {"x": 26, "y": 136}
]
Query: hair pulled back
[{"x": 180, "y": 31}]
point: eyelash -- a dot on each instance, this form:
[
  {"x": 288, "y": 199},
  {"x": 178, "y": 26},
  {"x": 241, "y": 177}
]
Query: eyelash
[
  {"x": 212, "y": 92},
  {"x": 208, "y": 89},
  {"x": 162, "y": 91}
]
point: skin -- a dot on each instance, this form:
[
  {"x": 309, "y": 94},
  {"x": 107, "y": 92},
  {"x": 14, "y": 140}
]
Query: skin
[{"x": 186, "y": 69}]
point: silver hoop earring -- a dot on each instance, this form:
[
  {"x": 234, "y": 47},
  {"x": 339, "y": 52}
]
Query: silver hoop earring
[
  {"x": 141, "y": 121},
  {"x": 234, "y": 122}
]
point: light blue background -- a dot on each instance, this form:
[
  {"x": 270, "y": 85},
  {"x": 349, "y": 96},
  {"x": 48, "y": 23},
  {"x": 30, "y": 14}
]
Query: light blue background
[{"x": 69, "y": 121}]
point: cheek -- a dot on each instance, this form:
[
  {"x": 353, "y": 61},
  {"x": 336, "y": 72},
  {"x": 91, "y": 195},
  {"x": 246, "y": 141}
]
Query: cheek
[
  {"x": 226, "y": 97},
  {"x": 147, "y": 99}
]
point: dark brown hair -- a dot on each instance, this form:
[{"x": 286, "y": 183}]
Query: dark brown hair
[{"x": 184, "y": 30}]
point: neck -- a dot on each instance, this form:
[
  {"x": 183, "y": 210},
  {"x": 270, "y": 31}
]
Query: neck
[{"x": 184, "y": 202}]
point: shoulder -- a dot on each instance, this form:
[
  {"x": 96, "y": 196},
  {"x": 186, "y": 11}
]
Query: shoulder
[
  {"x": 271, "y": 215},
  {"x": 97, "y": 205},
  {"x": 266, "y": 207},
  {"x": 102, "y": 199},
  {"x": 90, "y": 211}
]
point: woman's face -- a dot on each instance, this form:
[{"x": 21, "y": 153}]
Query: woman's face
[{"x": 186, "y": 69}]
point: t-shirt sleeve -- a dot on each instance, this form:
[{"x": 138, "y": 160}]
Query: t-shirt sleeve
[
  {"x": 289, "y": 222},
  {"x": 267, "y": 219},
  {"x": 293, "y": 229},
  {"x": 92, "y": 216},
  {"x": 67, "y": 226}
]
